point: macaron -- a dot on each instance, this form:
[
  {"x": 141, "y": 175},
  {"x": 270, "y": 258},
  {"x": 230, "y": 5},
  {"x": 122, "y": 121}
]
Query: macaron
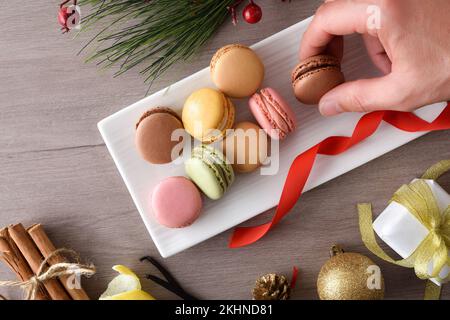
[
  {"x": 207, "y": 114},
  {"x": 273, "y": 113},
  {"x": 176, "y": 202},
  {"x": 247, "y": 146},
  {"x": 237, "y": 70},
  {"x": 153, "y": 137},
  {"x": 315, "y": 76},
  {"x": 210, "y": 171}
]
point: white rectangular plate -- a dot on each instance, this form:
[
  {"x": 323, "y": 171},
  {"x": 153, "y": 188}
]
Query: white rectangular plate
[{"x": 250, "y": 194}]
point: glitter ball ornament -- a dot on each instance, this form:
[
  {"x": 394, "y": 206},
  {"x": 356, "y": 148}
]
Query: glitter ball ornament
[{"x": 350, "y": 276}]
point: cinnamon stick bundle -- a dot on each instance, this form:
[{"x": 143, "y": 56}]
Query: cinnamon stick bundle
[
  {"x": 29, "y": 252},
  {"x": 11, "y": 256},
  {"x": 46, "y": 247},
  {"x": 34, "y": 258}
]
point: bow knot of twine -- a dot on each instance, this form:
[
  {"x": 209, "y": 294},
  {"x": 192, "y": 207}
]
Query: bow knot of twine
[{"x": 45, "y": 273}]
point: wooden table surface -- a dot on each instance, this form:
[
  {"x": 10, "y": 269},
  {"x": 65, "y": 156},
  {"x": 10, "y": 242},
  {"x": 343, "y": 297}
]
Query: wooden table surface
[{"x": 56, "y": 170}]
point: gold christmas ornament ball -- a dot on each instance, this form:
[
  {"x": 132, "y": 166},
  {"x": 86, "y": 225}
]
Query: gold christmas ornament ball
[{"x": 350, "y": 276}]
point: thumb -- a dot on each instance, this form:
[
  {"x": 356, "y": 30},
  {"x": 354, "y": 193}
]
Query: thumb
[{"x": 385, "y": 93}]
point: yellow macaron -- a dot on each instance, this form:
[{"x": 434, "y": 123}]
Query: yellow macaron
[{"x": 207, "y": 114}]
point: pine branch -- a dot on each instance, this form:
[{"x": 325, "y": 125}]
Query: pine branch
[{"x": 153, "y": 33}]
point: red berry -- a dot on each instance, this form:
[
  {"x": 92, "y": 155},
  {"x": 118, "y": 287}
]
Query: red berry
[
  {"x": 252, "y": 13},
  {"x": 62, "y": 16}
]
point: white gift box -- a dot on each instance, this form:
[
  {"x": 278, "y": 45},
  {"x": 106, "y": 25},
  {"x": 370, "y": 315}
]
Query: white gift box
[{"x": 401, "y": 231}]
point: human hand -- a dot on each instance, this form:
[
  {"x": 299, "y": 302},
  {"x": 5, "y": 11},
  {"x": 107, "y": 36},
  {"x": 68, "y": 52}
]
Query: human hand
[{"x": 411, "y": 47}]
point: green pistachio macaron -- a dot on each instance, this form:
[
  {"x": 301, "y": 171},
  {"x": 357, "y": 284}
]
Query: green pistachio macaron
[{"x": 210, "y": 171}]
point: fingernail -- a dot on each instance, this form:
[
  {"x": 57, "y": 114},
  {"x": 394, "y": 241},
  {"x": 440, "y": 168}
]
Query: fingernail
[{"x": 329, "y": 108}]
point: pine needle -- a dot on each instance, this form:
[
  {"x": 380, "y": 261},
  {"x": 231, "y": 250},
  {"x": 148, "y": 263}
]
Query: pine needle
[{"x": 154, "y": 34}]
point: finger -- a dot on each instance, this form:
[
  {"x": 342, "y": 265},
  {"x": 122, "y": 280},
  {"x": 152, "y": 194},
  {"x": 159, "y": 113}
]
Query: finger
[
  {"x": 336, "y": 46},
  {"x": 335, "y": 18},
  {"x": 377, "y": 54},
  {"x": 385, "y": 93}
]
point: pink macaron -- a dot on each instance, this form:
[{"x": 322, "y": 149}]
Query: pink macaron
[
  {"x": 273, "y": 113},
  {"x": 176, "y": 202}
]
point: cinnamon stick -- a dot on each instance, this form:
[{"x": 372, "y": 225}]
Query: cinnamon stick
[
  {"x": 34, "y": 259},
  {"x": 46, "y": 247},
  {"x": 11, "y": 256}
]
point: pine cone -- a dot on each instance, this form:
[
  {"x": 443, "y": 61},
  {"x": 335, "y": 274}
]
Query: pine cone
[{"x": 271, "y": 287}]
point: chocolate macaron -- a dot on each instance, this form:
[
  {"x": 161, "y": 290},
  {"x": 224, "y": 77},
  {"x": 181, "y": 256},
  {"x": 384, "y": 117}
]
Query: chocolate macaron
[
  {"x": 315, "y": 76},
  {"x": 237, "y": 71},
  {"x": 154, "y": 135}
]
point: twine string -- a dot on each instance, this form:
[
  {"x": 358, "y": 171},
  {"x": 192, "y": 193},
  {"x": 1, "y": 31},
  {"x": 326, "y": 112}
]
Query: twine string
[{"x": 45, "y": 273}]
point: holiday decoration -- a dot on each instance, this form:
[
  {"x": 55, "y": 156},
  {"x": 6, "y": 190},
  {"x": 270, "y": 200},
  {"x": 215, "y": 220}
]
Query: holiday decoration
[
  {"x": 43, "y": 271},
  {"x": 349, "y": 276},
  {"x": 416, "y": 225},
  {"x": 303, "y": 163},
  {"x": 274, "y": 286},
  {"x": 68, "y": 16},
  {"x": 125, "y": 286},
  {"x": 162, "y": 32},
  {"x": 252, "y": 13},
  {"x": 63, "y": 14}
]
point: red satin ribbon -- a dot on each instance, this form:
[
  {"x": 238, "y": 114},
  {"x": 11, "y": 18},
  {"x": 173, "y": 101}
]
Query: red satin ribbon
[{"x": 301, "y": 167}]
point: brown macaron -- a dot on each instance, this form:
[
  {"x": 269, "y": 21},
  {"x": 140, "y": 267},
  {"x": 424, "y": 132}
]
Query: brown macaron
[
  {"x": 154, "y": 135},
  {"x": 315, "y": 76}
]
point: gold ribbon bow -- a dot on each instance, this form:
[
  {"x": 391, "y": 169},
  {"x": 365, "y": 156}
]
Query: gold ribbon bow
[{"x": 418, "y": 198}]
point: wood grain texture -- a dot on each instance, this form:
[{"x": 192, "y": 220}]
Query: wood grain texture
[{"x": 55, "y": 169}]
